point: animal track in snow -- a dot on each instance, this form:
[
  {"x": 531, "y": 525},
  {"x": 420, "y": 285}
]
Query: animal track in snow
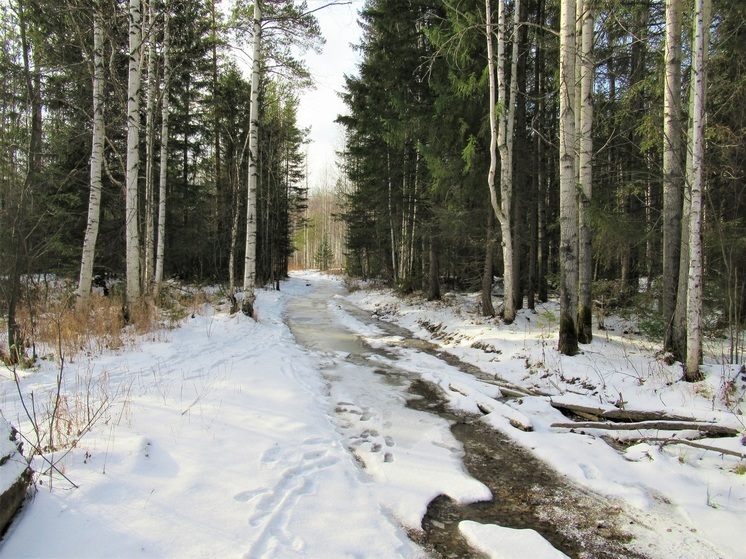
[{"x": 275, "y": 504}]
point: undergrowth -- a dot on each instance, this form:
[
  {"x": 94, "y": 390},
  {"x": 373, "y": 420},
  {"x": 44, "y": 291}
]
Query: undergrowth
[{"x": 60, "y": 329}]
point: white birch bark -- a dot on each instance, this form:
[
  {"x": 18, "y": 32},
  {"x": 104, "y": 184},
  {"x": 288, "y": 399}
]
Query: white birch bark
[
  {"x": 249, "y": 278},
  {"x": 697, "y": 181},
  {"x": 672, "y": 171},
  {"x": 132, "y": 235},
  {"x": 568, "y": 250},
  {"x": 97, "y": 161},
  {"x": 502, "y": 119},
  {"x": 585, "y": 174},
  {"x": 163, "y": 176}
]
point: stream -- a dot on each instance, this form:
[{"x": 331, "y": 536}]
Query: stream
[{"x": 527, "y": 493}]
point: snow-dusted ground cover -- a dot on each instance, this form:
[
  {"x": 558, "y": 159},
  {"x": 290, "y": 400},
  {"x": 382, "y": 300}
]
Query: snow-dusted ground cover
[
  {"x": 705, "y": 491},
  {"x": 225, "y": 438},
  {"x": 219, "y": 443}
]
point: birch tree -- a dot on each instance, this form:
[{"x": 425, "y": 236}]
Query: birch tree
[
  {"x": 249, "y": 278},
  {"x": 568, "y": 249},
  {"x": 502, "y": 121},
  {"x": 96, "y": 161},
  {"x": 291, "y": 27},
  {"x": 585, "y": 174},
  {"x": 672, "y": 171},
  {"x": 132, "y": 235},
  {"x": 696, "y": 180}
]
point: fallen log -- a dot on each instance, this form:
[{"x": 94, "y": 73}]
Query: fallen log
[
  {"x": 597, "y": 413},
  {"x": 708, "y": 429}
]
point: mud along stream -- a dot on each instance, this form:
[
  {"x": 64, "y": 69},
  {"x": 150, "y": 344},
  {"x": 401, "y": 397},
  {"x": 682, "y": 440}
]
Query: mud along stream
[{"x": 384, "y": 410}]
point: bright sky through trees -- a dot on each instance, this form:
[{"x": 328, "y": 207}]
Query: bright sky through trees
[{"x": 320, "y": 106}]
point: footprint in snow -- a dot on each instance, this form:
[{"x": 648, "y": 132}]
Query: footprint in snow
[{"x": 246, "y": 496}]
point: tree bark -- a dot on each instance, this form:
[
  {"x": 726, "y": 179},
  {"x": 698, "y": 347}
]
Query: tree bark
[
  {"x": 697, "y": 182},
  {"x": 488, "y": 308},
  {"x": 163, "y": 177},
  {"x": 132, "y": 234},
  {"x": 150, "y": 96},
  {"x": 501, "y": 141},
  {"x": 707, "y": 429},
  {"x": 96, "y": 161},
  {"x": 249, "y": 278},
  {"x": 433, "y": 292},
  {"x": 672, "y": 172},
  {"x": 568, "y": 251},
  {"x": 585, "y": 175}
]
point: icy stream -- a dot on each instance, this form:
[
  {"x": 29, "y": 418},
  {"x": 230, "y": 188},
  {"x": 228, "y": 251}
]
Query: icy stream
[{"x": 385, "y": 412}]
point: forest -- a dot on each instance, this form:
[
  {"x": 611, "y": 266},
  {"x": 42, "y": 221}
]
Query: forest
[
  {"x": 588, "y": 150},
  {"x": 591, "y": 150}
]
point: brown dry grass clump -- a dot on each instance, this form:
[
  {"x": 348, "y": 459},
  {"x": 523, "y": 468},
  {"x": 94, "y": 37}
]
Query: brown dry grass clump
[{"x": 57, "y": 325}]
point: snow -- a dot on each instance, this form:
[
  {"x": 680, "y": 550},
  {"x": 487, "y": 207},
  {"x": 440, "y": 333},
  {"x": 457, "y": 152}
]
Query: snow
[
  {"x": 503, "y": 543},
  {"x": 225, "y": 437}
]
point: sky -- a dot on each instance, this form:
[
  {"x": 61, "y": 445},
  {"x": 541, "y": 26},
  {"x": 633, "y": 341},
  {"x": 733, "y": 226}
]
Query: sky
[{"x": 320, "y": 106}]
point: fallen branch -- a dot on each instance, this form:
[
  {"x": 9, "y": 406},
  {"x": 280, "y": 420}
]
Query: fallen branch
[
  {"x": 664, "y": 441},
  {"x": 705, "y": 428},
  {"x": 594, "y": 413}
]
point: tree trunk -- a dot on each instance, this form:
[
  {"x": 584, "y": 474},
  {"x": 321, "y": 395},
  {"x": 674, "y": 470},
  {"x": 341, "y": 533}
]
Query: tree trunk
[
  {"x": 672, "y": 172},
  {"x": 249, "y": 277},
  {"x": 163, "y": 178},
  {"x": 697, "y": 181},
  {"x": 487, "y": 307},
  {"x": 97, "y": 161},
  {"x": 542, "y": 243},
  {"x": 132, "y": 234},
  {"x": 501, "y": 141},
  {"x": 585, "y": 257},
  {"x": 150, "y": 96},
  {"x": 568, "y": 334},
  {"x": 17, "y": 204},
  {"x": 433, "y": 292}
]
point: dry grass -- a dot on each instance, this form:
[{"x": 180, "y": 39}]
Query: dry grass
[{"x": 56, "y": 326}]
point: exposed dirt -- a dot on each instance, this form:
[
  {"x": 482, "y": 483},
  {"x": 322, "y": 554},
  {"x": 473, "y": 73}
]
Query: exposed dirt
[{"x": 527, "y": 493}]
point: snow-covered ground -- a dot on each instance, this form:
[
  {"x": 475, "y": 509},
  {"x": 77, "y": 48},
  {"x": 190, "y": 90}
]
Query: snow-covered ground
[{"x": 226, "y": 438}]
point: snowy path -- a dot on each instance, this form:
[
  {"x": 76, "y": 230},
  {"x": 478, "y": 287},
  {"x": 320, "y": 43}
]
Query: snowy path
[{"x": 228, "y": 438}]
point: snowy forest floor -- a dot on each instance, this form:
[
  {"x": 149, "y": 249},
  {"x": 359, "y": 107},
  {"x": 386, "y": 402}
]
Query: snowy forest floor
[{"x": 228, "y": 437}]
